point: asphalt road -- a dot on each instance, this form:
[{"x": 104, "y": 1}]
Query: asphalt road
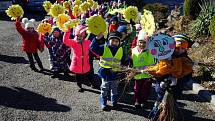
[{"x": 30, "y": 96}]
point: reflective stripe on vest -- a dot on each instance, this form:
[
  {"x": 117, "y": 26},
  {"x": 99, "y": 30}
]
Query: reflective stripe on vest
[
  {"x": 140, "y": 61},
  {"x": 108, "y": 61}
]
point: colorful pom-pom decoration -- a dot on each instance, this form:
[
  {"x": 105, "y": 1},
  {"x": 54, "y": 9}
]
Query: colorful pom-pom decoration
[
  {"x": 61, "y": 19},
  {"x": 76, "y": 10},
  {"x": 77, "y": 2},
  {"x": 47, "y": 6},
  {"x": 131, "y": 13},
  {"x": 71, "y": 24},
  {"x": 90, "y": 2},
  {"x": 44, "y": 28},
  {"x": 84, "y": 7},
  {"x": 96, "y": 25},
  {"x": 95, "y": 5},
  {"x": 147, "y": 22},
  {"x": 67, "y": 5},
  {"x": 15, "y": 11},
  {"x": 56, "y": 9}
]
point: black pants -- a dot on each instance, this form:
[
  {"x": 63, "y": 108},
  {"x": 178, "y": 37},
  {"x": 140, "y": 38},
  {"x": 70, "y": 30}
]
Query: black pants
[
  {"x": 82, "y": 79},
  {"x": 31, "y": 60}
]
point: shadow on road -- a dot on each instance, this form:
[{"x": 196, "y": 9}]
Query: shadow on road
[
  {"x": 13, "y": 59},
  {"x": 192, "y": 97},
  {"x": 189, "y": 116},
  {"x": 132, "y": 110},
  {"x": 20, "y": 98}
]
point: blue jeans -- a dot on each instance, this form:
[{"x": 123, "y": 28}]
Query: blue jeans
[{"x": 107, "y": 86}]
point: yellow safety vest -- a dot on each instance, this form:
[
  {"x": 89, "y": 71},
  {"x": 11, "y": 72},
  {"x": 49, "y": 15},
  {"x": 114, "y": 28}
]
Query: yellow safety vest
[
  {"x": 108, "y": 61},
  {"x": 141, "y": 61}
]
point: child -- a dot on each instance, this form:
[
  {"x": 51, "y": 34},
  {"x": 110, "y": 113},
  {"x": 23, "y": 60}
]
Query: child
[
  {"x": 80, "y": 59},
  {"x": 183, "y": 42},
  {"x": 114, "y": 24},
  {"x": 30, "y": 41},
  {"x": 134, "y": 42},
  {"x": 141, "y": 58},
  {"x": 58, "y": 51},
  {"x": 127, "y": 38},
  {"x": 111, "y": 55}
]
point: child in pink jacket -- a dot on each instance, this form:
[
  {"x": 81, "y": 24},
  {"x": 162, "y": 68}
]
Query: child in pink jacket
[{"x": 80, "y": 59}]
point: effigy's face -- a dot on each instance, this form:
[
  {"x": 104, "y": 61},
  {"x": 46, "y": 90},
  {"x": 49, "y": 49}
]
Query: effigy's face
[{"x": 162, "y": 46}]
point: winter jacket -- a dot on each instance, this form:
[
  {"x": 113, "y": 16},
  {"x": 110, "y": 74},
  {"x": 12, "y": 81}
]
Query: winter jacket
[
  {"x": 126, "y": 44},
  {"x": 104, "y": 73},
  {"x": 58, "y": 51},
  {"x": 113, "y": 27},
  {"x": 80, "y": 59},
  {"x": 30, "y": 41}
]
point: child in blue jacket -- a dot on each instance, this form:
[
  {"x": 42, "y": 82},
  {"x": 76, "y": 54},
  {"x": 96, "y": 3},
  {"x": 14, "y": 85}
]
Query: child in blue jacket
[{"x": 111, "y": 56}]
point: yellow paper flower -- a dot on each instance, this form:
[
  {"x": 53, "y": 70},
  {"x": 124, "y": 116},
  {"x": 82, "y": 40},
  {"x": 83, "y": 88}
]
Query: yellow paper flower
[
  {"x": 85, "y": 7},
  {"x": 15, "y": 11},
  {"x": 56, "y": 9},
  {"x": 114, "y": 11},
  {"x": 96, "y": 25},
  {"x": 61, "y": 19},
  {"x": 76, "y": 10},
  {"x": 77, "y": 2},
  {"x": 47, "y": 5},
  {"x": 90, "y": 2},
  {"x": 67, "y": 5},
  {"x": 44, "y": 28},
  {"x": 71, "y": 24},
  {"x": 95, "y": 5},
  {"x": 131, "y": 13},
  {"x": 147, "y": 21}
]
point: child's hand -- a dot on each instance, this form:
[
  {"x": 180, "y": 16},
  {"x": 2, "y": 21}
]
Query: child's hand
[
  {"x": 46, "y": 34},
  {"x": 17, "y": 19},
  {"x": 132, "y": 22},
  {"x": 41, "y": 50}
]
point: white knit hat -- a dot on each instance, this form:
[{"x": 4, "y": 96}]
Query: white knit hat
[
  {"x": 142, "y": 35},
  {"x": 28, "y": 23}
]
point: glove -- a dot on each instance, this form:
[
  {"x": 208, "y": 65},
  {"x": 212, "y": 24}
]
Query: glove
[
  {"x": 46, "y": 34},
  {"x": 41, "y": 50}
]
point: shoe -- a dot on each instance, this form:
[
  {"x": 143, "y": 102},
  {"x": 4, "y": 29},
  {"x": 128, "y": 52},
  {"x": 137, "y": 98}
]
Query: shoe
[
  {"x": 115, "y": 106},
  {"x": 104, "y": 108},
  {"x": 81, "y": 90},
  {"x": 137, "y": 105},
  {"x": 34, "y": 68}
]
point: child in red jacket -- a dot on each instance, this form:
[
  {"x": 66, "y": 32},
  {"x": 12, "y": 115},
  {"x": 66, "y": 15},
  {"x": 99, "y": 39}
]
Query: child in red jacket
[
  {"x": 80, "y": 60},
  {"x": 30, "y": 41},
  {"x": 114, "y": 24}
]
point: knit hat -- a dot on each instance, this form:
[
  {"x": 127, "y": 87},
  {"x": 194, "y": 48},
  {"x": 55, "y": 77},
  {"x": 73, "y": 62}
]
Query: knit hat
[
  {"x": 56, "y": 29},
  {"x": 142, "y": 35},
  {"x": 28, "y": 23},
  {"x": 115, "y": 34},
  {"x": 80, "y": 30},
  {"x": 138, "y": 27},
  {"x": 122, "y": 28},
  {"x": 114, "y": 18}
]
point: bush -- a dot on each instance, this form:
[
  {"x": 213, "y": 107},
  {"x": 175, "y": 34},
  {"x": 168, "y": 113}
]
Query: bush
[
  {"x": 192, "y": 8},
  {"x": 212, "y": 27},
  {"x": 201, "y": 24},
  {"x": 156, "y": 7},
  {"x": 158, "y": 10}
]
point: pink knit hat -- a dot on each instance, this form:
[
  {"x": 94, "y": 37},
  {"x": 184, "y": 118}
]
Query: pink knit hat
[{"x": 80, "y": 30}]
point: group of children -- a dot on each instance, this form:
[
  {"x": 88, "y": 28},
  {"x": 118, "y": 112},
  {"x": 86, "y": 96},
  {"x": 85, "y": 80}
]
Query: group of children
[{"x": 126, "y": 45}]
